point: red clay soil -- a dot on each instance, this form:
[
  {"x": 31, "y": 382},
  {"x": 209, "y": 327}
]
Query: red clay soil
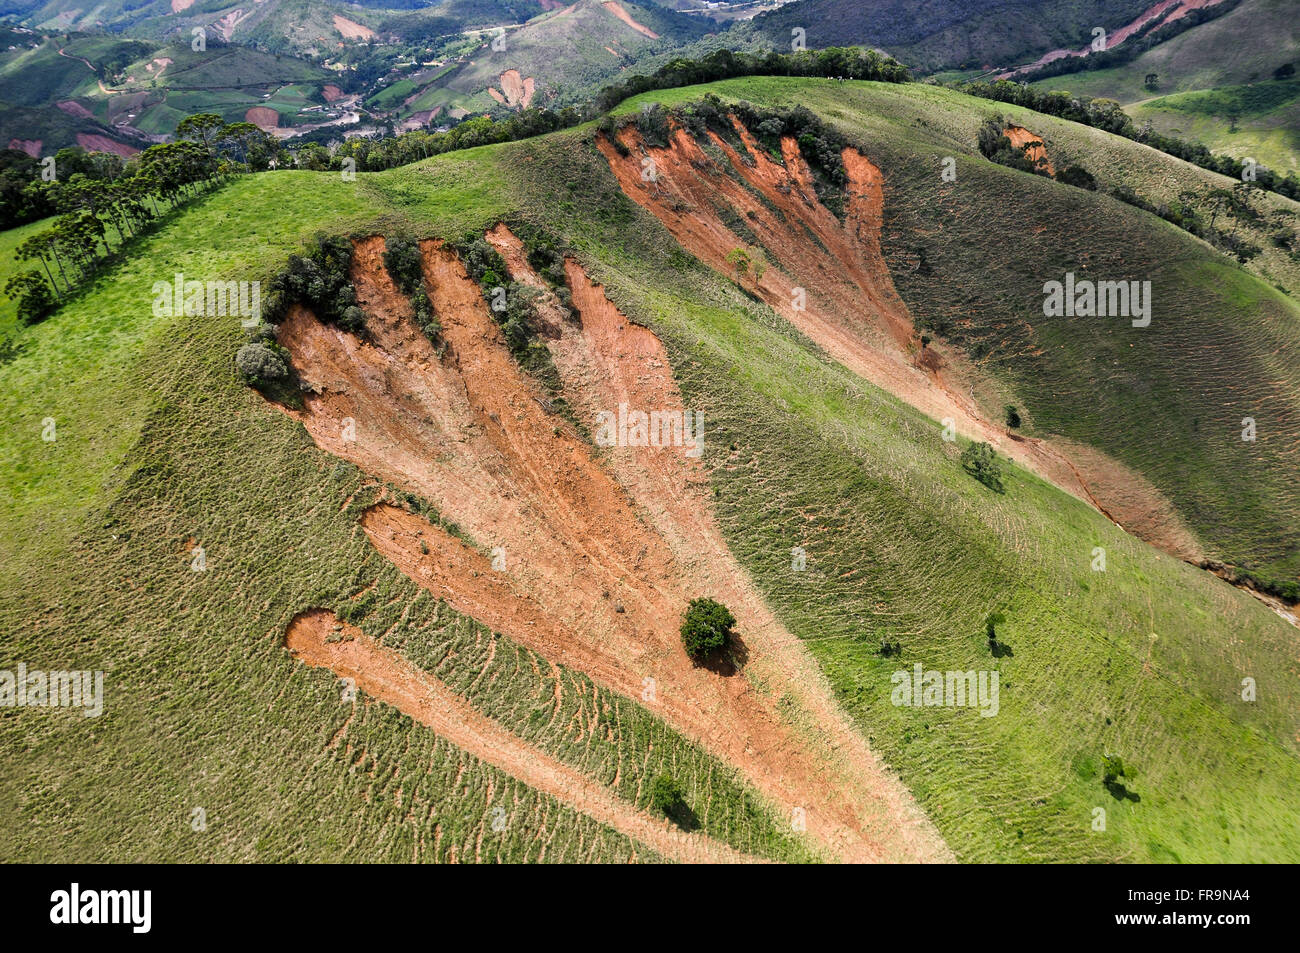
[
  {"x": 1021, "y": 137},
  {"x": 515, "y": 89},
  {"x": 95, "y": 143},
  {"x": 618, "y": 11},
  {"x": 74, "y": 108},
  {"x": 600, "y": 561},
  {"x": 853, "y": 311},
  {"x": 263, "y": 117},
  {"x": 319, "y": 639},
  {"x": 1178, "y": 9}
]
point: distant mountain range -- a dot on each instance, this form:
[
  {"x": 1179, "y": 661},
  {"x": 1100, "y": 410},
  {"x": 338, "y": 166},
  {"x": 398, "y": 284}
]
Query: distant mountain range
[{"x": 318, "y": 66}]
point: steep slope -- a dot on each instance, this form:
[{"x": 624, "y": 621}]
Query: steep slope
[
  {"x": 934, "y": 237},
  {"x": 828, "y": 295},
  {"x": 1230, "y": 61},
  {"x": 321, "y": 641},
  {"x": 590, "y": 585},
  {"x": 353, "y": 779},
  {"x": 160, "y": 450},
  {"x": 1243, "y": 46},
  {"x": 887, "y": 583}
]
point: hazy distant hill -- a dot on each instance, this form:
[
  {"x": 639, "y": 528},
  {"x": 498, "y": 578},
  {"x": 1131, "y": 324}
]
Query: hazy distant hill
[{"x": 934, "y": 34}]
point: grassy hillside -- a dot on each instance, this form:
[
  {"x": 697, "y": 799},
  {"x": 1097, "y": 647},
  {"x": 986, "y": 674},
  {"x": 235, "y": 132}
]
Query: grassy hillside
[
  {"x": 1231, "y": 61},
  {"x": 159, "y": 448},
  {"x": 146, "y": 383},
  {"x": 1243, "y": 46},
  {"x": 1096, "y": 381},
  {"x": 57, "y": 69},
  {"x": 1261, "y": 120}
]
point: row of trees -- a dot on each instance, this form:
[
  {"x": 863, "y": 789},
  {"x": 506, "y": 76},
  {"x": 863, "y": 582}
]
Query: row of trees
[
  {"x": 1199, "y": 212},
  {"x": 832, "y": 63},
  {"x": 32, "y": 189},
  {"x": 375, "y": 155},
  {"x": 95, "y": 195},
  {"x": 1108, "y": 115}
]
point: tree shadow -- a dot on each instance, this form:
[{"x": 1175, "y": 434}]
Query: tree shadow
[
  {"x": 682, "y": 815},
  {"x": 726, "y": 661},
  {"x": 10, "y": 349},
  {"x": 1121, "y": 793},
  {"x": 1001, "y": 650}
]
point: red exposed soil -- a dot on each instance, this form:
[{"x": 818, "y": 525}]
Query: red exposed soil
[
  {"x": 263, "y": 117},
  {"x": 852, "y": 309},
  {"x": 30, "y": 146},
  {"x": 618, "y": 11},
  {"x": 351, "y": 30},
  {"x": 331, "y": 92},
  {"x": 1021, "y": 137},
  {"x": 600, "y": 562},
  {"x": 94, "y": 143},
  {"x": 74, "y": 108},
  {"x": 1178, "y": 9},
  {"x": 318, "y": 638},
  {"x": 518, "y": 89}
]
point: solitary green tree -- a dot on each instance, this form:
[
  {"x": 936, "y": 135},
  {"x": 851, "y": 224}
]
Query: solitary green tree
[
  {"x": 707, "y": 628},
  {"x": 738, "y": 258},
  {"x": 979, "y": 460},
  {"x": 666, "y": 795}
]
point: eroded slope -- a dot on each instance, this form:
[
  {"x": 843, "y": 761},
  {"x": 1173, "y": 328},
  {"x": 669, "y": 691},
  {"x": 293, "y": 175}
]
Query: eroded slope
[
  {"x": 588, "y": 579},
  {"x": 829, "y": 279}
]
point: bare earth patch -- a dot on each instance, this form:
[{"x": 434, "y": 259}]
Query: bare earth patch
[
  {"x": 601, "y": 559},
  {"x": 263, "y": 117},
  {"x": 1021, "y": 137},
  {"x": 1177, "y": 10},
  {"x": 852, "y": 309},
  {"x": 617, "y": 9},
  {"x": 94, "y": 143},
  {"x": 74, "y": 108},
  {"x": 516, "y": 91},
  {"x": 351, "y": 30}
]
